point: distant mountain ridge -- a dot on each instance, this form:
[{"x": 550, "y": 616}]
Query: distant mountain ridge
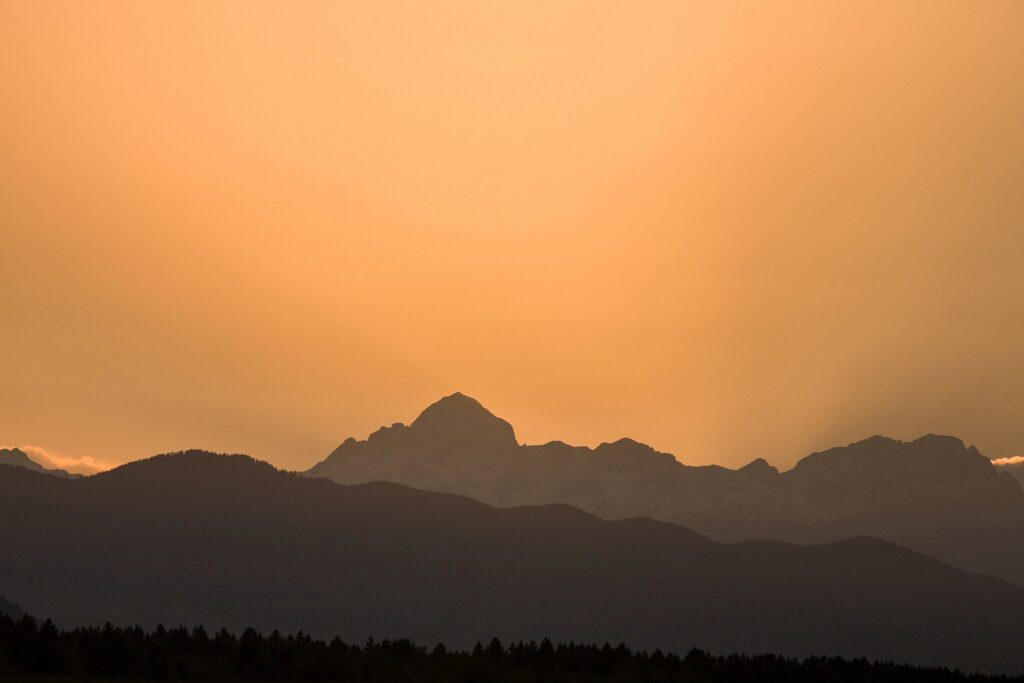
[
  {"x": 19, "y": 458},
  {"x": 1012, "y": 466},
  {"x": 197, "y": 538},
  {"x": 934, "y": 494}
]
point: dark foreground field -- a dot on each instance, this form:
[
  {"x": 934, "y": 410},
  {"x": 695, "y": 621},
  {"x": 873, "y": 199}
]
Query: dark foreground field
[{"x": 30, "y": 651}]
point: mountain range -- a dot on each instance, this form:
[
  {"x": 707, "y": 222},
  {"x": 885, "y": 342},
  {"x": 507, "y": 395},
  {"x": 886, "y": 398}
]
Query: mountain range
[
  {"x": 19, "y": 458},
  {"x": 934, "y": 495},
  {"x": 197, "y": 538}
]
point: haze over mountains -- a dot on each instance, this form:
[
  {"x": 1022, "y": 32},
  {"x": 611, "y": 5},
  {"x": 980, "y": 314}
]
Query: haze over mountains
[
  {"x": 18, "y": 458},
  {"x": 934, "y": 494},
  {"x": 197, "y": 538},
  {"x": 1014, "y": 466}
]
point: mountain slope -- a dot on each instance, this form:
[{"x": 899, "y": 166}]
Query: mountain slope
[
  {"x": 1012, "y": 466},
  {"x": 218, "y": 540},
  {"x": 18, "y": 458},
  {"x": 933, "y": 495}
]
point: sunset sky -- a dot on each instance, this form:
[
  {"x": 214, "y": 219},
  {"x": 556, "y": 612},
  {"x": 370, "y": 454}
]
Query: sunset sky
[{"x": 728, "y": 230}]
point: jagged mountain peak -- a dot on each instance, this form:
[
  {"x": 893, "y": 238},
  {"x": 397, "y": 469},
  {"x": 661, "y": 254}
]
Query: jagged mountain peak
[
  {"x": 19, "y": 458},
  {"x": 460, "y": 419},
  {"x": 628, "y": 448},
  {"x": 625, "y": 443},
  {"x": 925, "y": 471},
  {"x": 885, "y": 448},
  {"x": 456, "y": 406},
  {"x": 758, "y": 466}
]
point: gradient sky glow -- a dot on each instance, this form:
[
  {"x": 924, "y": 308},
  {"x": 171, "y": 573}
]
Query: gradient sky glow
[{"x": 728, "y": 229}]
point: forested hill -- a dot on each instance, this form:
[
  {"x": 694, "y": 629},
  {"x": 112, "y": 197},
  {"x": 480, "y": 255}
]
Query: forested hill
[
  {"x": 32, "y": 650},
  {"x": 273, "y": 550}
]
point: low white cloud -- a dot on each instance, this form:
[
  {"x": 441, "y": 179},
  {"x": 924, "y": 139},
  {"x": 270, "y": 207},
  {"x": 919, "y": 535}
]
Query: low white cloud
[
  {"x": 1015, "y": 460},
  {"x": 82, "y": 464}
]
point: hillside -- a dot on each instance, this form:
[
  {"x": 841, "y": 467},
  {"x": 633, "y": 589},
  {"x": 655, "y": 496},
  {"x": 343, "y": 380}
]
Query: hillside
[{"x": 196, "y": 538}]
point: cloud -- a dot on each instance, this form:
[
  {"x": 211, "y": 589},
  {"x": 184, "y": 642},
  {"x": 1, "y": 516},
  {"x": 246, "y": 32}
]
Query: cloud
[
  {"x": 83, "y": 464},
  {"x": 1015, "y": 460}
]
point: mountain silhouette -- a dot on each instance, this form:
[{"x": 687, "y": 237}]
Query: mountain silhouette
[
  {"x": 197, "y": 538},
  {"x": 933, "y": 495},
  {"x": 461, "y": 422},
  {"x": 18, "y": 458}
]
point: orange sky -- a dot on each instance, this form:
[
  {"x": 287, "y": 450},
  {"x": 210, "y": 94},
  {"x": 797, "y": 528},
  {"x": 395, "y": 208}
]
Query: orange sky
[{"x": 726, "y": 229}]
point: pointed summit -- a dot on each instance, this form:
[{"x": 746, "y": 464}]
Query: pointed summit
[
  {"x": 462, "y": 421},
  {"x": 758, "y": 468},
  {"x": 18, "y": 458}
]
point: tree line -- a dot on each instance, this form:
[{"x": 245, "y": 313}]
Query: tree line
[{"x": 32, "y": 649}]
